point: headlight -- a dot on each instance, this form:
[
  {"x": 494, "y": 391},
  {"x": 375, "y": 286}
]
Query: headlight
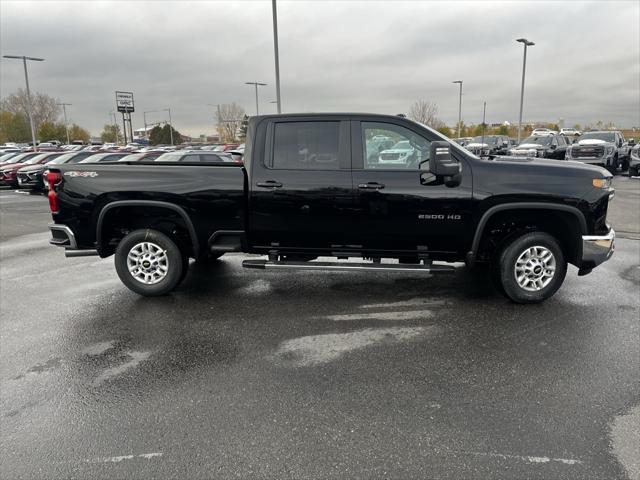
[
  {"x": 610, "y": 151},
  {"x": 635, "y": 154},
  {"x": 603, "y": 183}
]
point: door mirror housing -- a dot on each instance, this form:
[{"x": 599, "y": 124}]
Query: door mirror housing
[
  {"x": 632, "y": 142},
  {"x": 442, "y": 164}
]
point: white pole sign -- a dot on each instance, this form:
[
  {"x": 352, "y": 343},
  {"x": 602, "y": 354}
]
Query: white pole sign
[{"x": 124, "y": 101}]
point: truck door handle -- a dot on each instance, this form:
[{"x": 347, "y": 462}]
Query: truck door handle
[
  {"x": 371, "y": 186},
  {"x": 269, "y": 184}
]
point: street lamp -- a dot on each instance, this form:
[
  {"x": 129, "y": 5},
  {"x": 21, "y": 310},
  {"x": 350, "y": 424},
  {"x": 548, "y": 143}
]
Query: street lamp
[
  {"x": 276, "y": 54},
  {"x": 26, "y": 79},
  {"x": 256, "y": 84},
  {"x": 66, "y": 124},
  {"x": 526, "y": 43},
  {"x": 170, "y": 124},
  {"x": 112, "y": 116},
  {"x": 144, "y": 115},
  {"x": 459, "y": 107}
]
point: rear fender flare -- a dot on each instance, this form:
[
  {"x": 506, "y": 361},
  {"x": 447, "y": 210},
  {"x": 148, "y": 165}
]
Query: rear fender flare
[{"x": 147, "y": 203}]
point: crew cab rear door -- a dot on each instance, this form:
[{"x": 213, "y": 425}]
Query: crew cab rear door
[
  {"x": 395, "y": 208},
  {"x": 301, "y": 192}
]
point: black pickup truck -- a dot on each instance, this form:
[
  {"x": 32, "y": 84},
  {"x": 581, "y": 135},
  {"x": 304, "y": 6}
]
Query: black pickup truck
[{"x": 310, "y": 188}]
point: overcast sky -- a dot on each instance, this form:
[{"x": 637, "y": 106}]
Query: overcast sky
[{"x": 334, "y": 56}]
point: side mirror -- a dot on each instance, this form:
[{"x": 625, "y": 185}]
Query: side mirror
[
  {"x": 442, "y": 164},
  {"x": 505, "y": 144},
  {"x": 553, "y": 147},
  {"x": 632, "y": 142}
]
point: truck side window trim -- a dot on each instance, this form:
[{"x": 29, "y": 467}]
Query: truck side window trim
[{"x": 343, "y": 147}]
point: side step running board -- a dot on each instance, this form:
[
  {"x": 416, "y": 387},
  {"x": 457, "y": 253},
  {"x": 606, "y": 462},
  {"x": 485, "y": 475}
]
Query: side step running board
[{"x": 345, "y": 266}]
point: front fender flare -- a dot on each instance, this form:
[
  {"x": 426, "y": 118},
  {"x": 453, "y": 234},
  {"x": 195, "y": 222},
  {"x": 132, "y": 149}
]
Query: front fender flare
[{"x": 477, "y": 237}]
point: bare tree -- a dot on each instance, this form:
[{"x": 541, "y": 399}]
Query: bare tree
[
  {"x": 425, "y": 112},
  {"x": 44, "y": 107},
  {"x": 229, "y": 118}
]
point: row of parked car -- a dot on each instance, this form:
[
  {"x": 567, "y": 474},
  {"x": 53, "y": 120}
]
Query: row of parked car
[
  {"x": 608, "y": 149},
  {"x": 26, "y": 169}
]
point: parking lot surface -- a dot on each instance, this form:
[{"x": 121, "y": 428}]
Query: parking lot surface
[{"x": 313, "y": 375}]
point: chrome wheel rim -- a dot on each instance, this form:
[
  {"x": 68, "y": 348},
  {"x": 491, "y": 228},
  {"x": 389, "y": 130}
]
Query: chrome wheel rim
[
  {"x": 148, "y": 263},
  {"x": 535, "y": 268}
]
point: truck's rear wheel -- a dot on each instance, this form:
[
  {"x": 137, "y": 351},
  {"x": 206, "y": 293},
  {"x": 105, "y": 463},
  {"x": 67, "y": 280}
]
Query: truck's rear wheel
[
  {"x": 531, "y": 268},
  {"x": 149, "y": 263}
]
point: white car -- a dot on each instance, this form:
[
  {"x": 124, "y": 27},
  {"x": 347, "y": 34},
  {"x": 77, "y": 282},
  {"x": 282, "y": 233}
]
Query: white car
[
  {"x": 543, "y": 132},
  {"x": 570, "y": 132}
]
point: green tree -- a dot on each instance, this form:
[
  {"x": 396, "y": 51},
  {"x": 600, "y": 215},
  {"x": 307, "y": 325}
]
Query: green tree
[
  {"x": 446, "y": 131},
  {"x": 162, "y": 135},
  {"x": 43, "y": 107},
  {"x": 110, "y": 134},
  {"x": 52, "y": 131},
  {"x": 479, "y": 130},
  {"x": 78, "y": 133},
  {"x": 14, "y": 127},
  {"x": 242, "y": 133},
  {"x": 503, "y": 130}
]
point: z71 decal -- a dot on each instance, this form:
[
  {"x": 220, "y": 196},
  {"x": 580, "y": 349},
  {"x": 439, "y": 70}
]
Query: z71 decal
[{"x": 75, "y": 173}]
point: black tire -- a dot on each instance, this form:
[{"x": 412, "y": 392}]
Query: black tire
[
  {"x": 625, "y": 165},
  {"x": 174, "y": 262},
  {"x": 613, "y": 168},
  {"x": 505, "y": 268}
]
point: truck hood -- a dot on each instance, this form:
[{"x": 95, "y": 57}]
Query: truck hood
[
  {"x": 34, "y": 168},
  {"x": 529, "y": 146},
  {"x": 593, "y": 141},
  {"x": 556, "y": 166}
]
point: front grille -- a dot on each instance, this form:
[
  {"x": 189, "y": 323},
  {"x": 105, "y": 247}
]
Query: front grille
[{"x": 587, "y": 152}]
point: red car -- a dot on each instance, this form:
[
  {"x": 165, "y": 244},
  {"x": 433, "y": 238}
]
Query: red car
[{"x": 9, "y": 172}]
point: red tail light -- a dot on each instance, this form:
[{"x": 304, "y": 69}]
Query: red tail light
[{"x": 53, "y": 179}]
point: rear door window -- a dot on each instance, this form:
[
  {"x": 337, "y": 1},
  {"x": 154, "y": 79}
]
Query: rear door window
[{"x": 306, "y": 145}]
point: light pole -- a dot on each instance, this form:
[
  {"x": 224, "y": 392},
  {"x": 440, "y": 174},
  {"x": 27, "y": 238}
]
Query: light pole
[
  {"x": 459, "y": 107},
  {"x": 526, "y": 43},
  {"x": 256, "y": 84},
  {"x": 144, "y": 115},
  {"x": 26, "y": 79},
  {"x": 112, "y": 116},
  {"x": 218, "y": 118},
  {"x": 276, "y": 53},
  {"x": 170, "y": 124},
  {"x": 66, "y": 124}
]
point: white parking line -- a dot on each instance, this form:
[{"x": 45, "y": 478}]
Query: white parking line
[
  {"x": 392, "y": 316},
  {"x": 120, "y": 458}
]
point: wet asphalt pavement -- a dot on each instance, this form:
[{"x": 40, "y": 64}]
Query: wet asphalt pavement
[{"x": 244, "y": 373}]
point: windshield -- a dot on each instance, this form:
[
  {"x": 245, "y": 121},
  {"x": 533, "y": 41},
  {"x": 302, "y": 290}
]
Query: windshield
[
  {"x": 169, "y": 157},
  {"x": 7, "y": 156},
  {"x": 18, "y": 158},
  {"x": 487, "y": 140},
  {"x": 606, "y": 136},
  {"x": 61, "y": 159},
  {"x": 134, "y": 157},
  {"x": 37, "y": 159},
  {"x": 537, "y": 140}
]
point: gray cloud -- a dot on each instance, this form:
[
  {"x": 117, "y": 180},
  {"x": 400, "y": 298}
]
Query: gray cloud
[{"x": 335, "y": 56}]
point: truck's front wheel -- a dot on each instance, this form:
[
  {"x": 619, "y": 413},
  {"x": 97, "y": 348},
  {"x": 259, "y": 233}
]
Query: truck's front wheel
[
  {"x": 148, "y": 262},
  {"x": 531, "y": 268}
]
